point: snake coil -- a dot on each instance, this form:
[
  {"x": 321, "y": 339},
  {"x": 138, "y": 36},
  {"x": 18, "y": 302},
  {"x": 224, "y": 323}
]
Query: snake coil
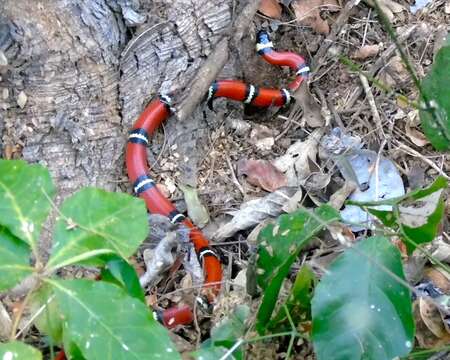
[{"x": 159, "y": 110}]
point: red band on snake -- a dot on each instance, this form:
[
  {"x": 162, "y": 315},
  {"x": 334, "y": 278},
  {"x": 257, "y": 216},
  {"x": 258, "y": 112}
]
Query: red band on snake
[{"x": 138, "y": 171}]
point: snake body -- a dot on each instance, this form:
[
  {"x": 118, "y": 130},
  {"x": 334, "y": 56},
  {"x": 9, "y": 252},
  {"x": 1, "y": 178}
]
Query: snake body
[{"x": 159, "y": 110}]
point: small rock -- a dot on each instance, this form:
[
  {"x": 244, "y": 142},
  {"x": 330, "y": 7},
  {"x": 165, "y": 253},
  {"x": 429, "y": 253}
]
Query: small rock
[
  {"x": 3, "y": 59},
  {"x": 22, "y": 99}
]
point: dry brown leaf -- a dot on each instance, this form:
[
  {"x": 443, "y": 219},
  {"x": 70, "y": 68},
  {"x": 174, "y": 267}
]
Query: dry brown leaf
[
  {"x": 261, "y": 173},
  {"x": 316, "y": 181},
  {"x": 388, "y": 7},
  {"x": 417, "y": 137},
  {"x": 366, "y": 51},
  {"x": 270, "y": 8},
  {"x": 438, "y": 279},
  {"x": 263, "y": 138},
  {"x": 307, "y": 13},
  {"x": 431, "y": 317},
  {"x": 255, "y": 212},
  {"x": 425, "y": 337},
  {"x": 295, "y": 163}
]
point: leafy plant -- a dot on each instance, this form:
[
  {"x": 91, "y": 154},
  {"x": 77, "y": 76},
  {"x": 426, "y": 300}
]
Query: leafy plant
[
  {"x": 92, "y": 319},
  {"x": 298, "y": 303},
  {"x": 225, "y": 335},
  {"x": 280, "y": 244}
]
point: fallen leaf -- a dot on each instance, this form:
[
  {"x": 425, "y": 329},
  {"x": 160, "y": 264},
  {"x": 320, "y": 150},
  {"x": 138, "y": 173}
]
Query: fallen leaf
[
  {"x": 425, "y": 338},
  {"x": 388, "y": 7},
  {"x": 438, "y": 278},
  {"x": 292, "y": 204},
  {"x": 295, "y": 163},
  {"x": 441, "y": 248},
  {"x": 431, "y": 317},
  {"x": 261, "y": 173},
  {"x": 241, "y": 127},
  {"x": 196, "y": 210},
  {"x": 270, "y": 8},
  {"x": 416, "y": 136},
  {"x": 307, "y": 13},
  {"x": 366, "y": 51},
  {"x": 263, "y": 138},
  {"x": 254, "y": 212},
  {"x": 316, "y": 181}
]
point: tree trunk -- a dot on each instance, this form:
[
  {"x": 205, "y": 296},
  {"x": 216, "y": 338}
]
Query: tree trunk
[{"x": 87, "y": 69}]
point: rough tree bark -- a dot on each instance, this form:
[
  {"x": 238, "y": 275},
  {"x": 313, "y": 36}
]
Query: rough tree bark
[{"x": 87, "y": 69}]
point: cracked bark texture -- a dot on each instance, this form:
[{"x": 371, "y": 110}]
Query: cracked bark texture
[{"x": 88, "y": 68}]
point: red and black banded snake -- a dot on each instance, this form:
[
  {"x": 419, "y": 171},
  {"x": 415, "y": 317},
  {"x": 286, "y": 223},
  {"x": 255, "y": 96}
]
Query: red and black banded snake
[{"x": 159, "y": 110}]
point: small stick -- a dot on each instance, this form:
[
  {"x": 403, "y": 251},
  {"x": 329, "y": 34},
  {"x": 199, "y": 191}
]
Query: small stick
[
  {"x": 233, "y": 176},
  {"x": 319, "y": 58},
  {"x": 413, "y": 152},
  {"x": 371, "y": 99},
  {"x": 382, "y": 60}
]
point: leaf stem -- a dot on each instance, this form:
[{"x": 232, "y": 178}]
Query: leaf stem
[{"x": 19, "y": 313}]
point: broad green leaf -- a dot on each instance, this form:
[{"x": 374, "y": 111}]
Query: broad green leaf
[
  {"x": 225, "y": 335},
  {"x": 360, "y": 309},
  {"x": 14, "y": 260},
  {"x": 96, "y": 222},
  {"x": 49, "y": 321},
  {"x": 279, "y": 246},
  {"x": 104, "y": 322},
  {"x": 23, "y": 202},
  {"x": 419, "y": 221},
  {"x": 298, "y": 304},
  {"x": 211, "y": 353},
  {"x": 436, "y": 118},
  {"x": 16, "y": 350},
  {"x": 119, "y": 272}
]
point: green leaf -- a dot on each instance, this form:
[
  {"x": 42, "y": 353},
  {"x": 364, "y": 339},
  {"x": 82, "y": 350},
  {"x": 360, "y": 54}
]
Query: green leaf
[
  {"x": 416, "y": 215},
  {"x": 16, "y": 350},
  {"x": 14, "y": 260},
  {"x": 104, "y": 322},
  {"x": 119, "y": 272},
  {"x": 225, "y": 335},
  {"x": 49, "y": 320},
  {"x": 298, "y": 304},
  {"x": 211, "y": 353},
  {"x": 96, "y": 222},
  {"x": 23, "y": 203},
  {"x": 419, "y": 221},
  {"x": 436, "y": 118},
  {"x": 279, "y": 246},
  {"x": 360, "y": 309}
]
